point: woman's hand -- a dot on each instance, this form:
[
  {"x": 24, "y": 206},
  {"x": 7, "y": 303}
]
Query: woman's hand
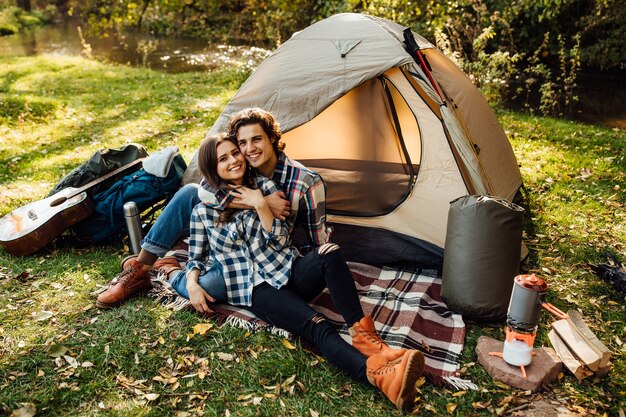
[
  {"x": 248, "y": 197},
  {"x": 199, "y": 298}
]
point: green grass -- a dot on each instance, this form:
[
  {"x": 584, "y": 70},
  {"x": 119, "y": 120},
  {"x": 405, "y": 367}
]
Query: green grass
[{"x": 56, "y": 111}]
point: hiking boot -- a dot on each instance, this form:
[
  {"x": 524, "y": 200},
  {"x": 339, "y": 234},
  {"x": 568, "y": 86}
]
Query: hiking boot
[
  {"x": 166, "y": 265},
  {"x": 397, "y": 378},
  {"x": 132, "y": 281},
  {"x": 125, "y": 263},
  {"x": 366, "y": 340}
]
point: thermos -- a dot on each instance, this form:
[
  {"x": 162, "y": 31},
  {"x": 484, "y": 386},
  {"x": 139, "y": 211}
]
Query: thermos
[{"x": 133, "y": 223}]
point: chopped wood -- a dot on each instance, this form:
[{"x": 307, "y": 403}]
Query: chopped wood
[
  {"x": 592, "y": 340},
  {"x": 604, "y": 371},
  {"x": 570, "y": 362},
  {"x": 577, "y": 344}
]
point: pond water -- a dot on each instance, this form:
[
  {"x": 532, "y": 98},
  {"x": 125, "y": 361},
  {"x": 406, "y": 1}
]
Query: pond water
[
  {"x": 602, "y": 97},
  {"x": 170, "y": 54}
]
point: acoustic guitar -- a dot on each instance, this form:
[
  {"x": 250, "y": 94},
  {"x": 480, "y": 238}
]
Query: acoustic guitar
[{"x": 29, "y": 228}]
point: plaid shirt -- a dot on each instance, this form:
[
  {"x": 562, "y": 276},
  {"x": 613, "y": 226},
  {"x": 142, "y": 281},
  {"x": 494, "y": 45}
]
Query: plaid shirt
[
  {"x": 304, "y": 190},
  {"x": 246, "y": 251}
]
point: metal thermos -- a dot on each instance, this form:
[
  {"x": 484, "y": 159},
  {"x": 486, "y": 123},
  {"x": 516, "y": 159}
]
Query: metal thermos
[
  {"x": 133, "y": 223},
  {"x": 526, "y": 301}
]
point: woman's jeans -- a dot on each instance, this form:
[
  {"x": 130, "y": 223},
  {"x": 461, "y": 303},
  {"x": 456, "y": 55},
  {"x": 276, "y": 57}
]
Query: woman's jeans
[
  {"x": 173, "y": 223},
  {"x": 212, "y": 281},
  {"x": 288, "y": 309}
]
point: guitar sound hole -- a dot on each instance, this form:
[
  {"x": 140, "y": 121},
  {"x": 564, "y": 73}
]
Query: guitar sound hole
[{"x": 58, "y": 201}]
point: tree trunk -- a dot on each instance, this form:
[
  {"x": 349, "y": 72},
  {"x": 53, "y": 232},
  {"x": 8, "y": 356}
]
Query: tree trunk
[{"x": 24, "y": 4}]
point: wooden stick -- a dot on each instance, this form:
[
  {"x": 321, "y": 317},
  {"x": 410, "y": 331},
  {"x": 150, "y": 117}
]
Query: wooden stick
[
  {"x": 592, "y": 340},
  {"x": 577, "y": 344},
  {"x": 567, "y": 357}
]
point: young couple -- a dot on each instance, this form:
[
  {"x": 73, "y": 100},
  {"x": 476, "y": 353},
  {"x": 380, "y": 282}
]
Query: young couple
[{"x": 240, "y": 253}]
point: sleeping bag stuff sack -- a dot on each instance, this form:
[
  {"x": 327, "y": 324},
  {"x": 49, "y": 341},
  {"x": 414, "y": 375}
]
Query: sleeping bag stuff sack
[{"x": 482, "y": 256}]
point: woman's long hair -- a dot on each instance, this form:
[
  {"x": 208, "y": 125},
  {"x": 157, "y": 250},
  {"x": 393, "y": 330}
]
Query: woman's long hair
[{"x": 207, "y": 163}]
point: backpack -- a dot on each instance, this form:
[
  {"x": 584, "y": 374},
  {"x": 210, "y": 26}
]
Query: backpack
[
  {"x": 107, "y": 221},
  {"x": 98, "y": 165}
]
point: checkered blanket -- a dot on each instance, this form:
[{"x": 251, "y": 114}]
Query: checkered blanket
[{"x": 405, "y": 304}]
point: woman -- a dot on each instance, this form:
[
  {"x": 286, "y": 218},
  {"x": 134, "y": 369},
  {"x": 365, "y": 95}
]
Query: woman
[{"x": 264, "y": 274}]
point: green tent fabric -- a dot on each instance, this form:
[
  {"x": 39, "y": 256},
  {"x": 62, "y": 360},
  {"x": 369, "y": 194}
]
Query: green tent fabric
[{"x": 482, "y": 256}]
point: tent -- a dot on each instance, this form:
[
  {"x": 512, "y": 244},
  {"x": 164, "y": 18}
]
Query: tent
[{"x": 395, "y": 141}]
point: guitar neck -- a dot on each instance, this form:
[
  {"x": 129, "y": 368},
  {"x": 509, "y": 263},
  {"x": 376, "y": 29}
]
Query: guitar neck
[{"x": 106, "y": 177}]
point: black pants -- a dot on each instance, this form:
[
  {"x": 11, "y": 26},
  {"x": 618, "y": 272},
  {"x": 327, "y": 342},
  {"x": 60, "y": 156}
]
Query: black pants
[{"x": 288, "y": 309}]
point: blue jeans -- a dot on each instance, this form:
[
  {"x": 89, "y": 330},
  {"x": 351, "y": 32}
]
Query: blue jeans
[
  {"x": 173, "y": 223},
  {"x": 212, "y": 281}
]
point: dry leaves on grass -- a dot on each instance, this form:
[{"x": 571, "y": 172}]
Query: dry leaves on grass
[{"x": 26, "y": 410}]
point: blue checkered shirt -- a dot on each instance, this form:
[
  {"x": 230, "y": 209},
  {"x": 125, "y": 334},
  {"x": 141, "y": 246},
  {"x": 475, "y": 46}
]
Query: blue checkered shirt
[
  {"x": 244, "y": 249},
  {"x": 304, "y": 190}
]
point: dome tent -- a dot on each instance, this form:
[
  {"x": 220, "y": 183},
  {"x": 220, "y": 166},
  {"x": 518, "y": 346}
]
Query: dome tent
[{"x": 395, "y": 141}]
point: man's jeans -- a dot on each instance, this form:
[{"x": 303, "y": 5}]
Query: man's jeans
[{"x": 173, "y": 223}]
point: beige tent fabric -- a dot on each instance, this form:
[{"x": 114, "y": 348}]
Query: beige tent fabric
[
  {"x": 425, "y": 212},
  {"x": 355, "y": 143},
  {"x": 481, "y": 125}
]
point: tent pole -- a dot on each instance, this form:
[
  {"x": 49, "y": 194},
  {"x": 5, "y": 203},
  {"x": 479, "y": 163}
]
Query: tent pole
[{"x": 414, "y": 50}]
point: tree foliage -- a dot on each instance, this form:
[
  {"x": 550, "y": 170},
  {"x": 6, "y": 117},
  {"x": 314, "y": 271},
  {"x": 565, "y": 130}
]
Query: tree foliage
[{"x": 530, "y": 50}]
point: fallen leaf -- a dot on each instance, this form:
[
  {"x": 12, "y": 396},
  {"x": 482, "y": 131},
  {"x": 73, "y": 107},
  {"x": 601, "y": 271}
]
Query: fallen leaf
[
  {"x": 71, "y": 361},
  {"x": 87, "y": 364},
  {"x": 56, "y": 350},
  {"x": 314, "y": 413},
  {"x": 202, "y": 328},
  {"x": 227, "y": 357},
  {"x": 289, "y": 380},
  {"x": 151, "y": 397},
  {"x": 27, "y": 410},
  {"x": 288, "y": 344},
  {"x": 451, "y": 407},
  {"x": 43, "y": 315},
  {"x": 481, "y": 405}
]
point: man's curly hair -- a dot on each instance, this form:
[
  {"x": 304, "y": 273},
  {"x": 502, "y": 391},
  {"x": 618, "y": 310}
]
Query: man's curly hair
[{"x": 257, "y": 116}]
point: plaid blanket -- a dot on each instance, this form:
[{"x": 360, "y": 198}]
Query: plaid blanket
[{"x": 405, "y": 304}]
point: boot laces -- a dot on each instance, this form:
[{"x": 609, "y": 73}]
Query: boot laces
[
  {"x": 125, "y": 275},
  {"x": 371, "y": 336},
  {"x": 388, "y": 367}
]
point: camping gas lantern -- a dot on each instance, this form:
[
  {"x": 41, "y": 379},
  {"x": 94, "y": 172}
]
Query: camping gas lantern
[{"x": 527, "y": 298}]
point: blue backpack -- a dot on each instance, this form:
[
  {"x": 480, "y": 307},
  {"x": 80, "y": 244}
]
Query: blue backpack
[{"x": 107, "y": 222}]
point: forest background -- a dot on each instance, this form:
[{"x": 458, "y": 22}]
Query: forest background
[{"x": 527, "y": 54}]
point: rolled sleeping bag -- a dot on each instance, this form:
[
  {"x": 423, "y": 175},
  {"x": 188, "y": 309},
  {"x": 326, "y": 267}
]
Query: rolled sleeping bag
[{"x": 482, "y": 256}]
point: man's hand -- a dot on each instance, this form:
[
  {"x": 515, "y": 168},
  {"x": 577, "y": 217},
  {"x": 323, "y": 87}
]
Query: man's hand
[
  {"x": 199, "y": 297},
  {"x": 279, "y": 205}
]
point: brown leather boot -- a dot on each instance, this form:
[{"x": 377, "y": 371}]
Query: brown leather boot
[
  {"x": 132, "y": 281},
  {"x": 125, "y": 263},
  {"x": 166, "y": 265},
  {"x": 366, "y": 340},
  {"x": 397, "y": 378}
]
